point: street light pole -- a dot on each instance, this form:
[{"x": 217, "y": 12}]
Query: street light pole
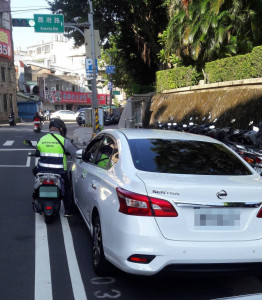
[
  {"x": 110, "y": 78},
  {"x": 94, "y": 91}
]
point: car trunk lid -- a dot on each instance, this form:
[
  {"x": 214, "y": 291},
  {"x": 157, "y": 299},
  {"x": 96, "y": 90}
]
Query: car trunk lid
[{"x": 210, "y": 208}]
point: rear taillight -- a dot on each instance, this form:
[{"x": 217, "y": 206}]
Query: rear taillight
[
  {"x": 258, "y": 160},
  {"x": 259, "y": 214},
  {"x": 141, "y": 205},
  {"x": 48, "y": 181},
  {"x": 249, "y": 160}
]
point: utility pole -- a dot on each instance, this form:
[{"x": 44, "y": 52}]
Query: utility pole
[
  {"x": 110, "y": 78},
  {"x": 94, "y": 91}
]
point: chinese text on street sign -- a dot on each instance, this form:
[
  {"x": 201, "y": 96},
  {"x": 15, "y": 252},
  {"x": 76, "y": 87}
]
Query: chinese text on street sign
[
  {"x": 110, "y": 69},
  {"x": 49, "y": 23}
]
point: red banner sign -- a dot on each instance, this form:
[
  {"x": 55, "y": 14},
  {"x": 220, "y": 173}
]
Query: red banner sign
[
  {"x": 74, "y": 97},
  {"x": 5, "y": 44}
]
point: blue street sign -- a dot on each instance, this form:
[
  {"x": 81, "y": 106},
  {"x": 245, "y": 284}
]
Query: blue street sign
[
  {"x": 110, "y": 69},
  {"x": 89, "y": 65},
  {"x": 110, "y": 85}
]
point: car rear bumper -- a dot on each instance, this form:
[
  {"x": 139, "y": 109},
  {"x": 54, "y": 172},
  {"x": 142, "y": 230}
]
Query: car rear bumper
[{"x": 179, "y": 256}]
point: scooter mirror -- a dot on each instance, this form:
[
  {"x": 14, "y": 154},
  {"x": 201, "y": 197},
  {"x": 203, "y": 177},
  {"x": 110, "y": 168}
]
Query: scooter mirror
[{"x": 27, "y": 143}]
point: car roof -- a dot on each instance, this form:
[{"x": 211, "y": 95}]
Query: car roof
[
  {"x": 84, "y": 108},
  {"x": 64, "y": 110},
  {"x": 131, "y": 133}
]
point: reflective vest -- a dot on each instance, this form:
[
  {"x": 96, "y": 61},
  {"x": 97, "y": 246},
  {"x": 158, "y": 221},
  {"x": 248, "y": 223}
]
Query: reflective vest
[{"x": 51, "y": 153}]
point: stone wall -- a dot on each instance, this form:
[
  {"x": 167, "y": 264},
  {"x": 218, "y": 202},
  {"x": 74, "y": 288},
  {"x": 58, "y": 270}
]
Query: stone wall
[{"x": 234, "y": 103}]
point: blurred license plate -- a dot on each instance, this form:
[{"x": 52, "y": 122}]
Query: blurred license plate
[{"x": 215, "y": 218}]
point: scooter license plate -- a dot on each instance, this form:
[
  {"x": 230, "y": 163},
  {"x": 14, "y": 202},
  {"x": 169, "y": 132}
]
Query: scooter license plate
[{"x": 48, "y": 192}]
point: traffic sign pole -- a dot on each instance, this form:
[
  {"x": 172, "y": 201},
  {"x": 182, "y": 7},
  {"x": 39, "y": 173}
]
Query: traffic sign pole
[{"x": 94, "y": 92}]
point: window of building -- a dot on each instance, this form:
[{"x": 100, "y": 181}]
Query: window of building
[
  {"x": 38, "y": 50},
  {"x": 1, "y": 19},
  {"x": 8, "y": 74},
  {"x": 5, "y": 102},
  {"x": 47, "y": 48},
  {"x": 3, "y": 74},
  {"x": 73, "y": 88},
  {"x": 1, "y": 97},
  {"x": 11, "y": 102}
]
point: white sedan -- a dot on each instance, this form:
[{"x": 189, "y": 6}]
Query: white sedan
[
  {"x": 64, "y": 115},
  {"x": 156, "y": 200}
]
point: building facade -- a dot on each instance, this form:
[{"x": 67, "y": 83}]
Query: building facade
[
  {"x": 7, "y": 70},
  {"x": 57, "y": 69}
]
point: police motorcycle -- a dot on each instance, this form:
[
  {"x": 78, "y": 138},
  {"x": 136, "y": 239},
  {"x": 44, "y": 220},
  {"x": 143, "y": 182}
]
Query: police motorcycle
[{"x": 48, "y": 191}]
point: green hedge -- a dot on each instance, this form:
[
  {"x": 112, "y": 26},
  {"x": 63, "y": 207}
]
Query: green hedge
[
  {"x": 142, "y": 89},
  {"x": 235, "y": 68},
  {"x": 176, "y": 78}
]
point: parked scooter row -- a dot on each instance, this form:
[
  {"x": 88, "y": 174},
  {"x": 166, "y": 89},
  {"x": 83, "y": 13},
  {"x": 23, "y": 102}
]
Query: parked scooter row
[{"x": 247, "y": 143}]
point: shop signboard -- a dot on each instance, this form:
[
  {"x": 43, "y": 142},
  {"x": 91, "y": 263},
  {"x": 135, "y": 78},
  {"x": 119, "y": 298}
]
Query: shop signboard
[
  {"x": 5, "y": 44},
  {"x": 75, "y": 97}
]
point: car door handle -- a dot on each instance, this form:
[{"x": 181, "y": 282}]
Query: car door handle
[
  {"x": 83, "y": 176},
  {"x": 94, "y": 186}
]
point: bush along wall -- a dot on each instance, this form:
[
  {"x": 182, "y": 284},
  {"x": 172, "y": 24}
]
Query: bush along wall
[
  {"x": 176, "y": 78},
  {"x": 235, "y": 68}
]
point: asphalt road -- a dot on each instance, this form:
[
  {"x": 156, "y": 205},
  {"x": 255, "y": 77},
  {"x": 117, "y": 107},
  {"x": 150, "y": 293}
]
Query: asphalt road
[{"x": 39, "y": 261}]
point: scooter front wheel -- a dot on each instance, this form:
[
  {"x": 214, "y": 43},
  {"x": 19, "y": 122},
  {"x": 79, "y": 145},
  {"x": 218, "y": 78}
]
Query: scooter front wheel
[{"x": 48, "y": 219}]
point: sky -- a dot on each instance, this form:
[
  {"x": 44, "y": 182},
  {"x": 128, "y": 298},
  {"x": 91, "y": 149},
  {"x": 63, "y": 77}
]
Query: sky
[{"x": 25, "y": 36}]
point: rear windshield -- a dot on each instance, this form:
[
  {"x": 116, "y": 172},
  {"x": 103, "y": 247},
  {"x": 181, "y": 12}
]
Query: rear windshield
[{"x": 185, "y": 157}]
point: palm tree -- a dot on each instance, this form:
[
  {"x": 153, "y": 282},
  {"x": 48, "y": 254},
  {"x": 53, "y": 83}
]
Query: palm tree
[{"x": 204, "y": 30}]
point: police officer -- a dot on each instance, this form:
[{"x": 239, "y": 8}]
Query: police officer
[{"x": 54, "y": 148}]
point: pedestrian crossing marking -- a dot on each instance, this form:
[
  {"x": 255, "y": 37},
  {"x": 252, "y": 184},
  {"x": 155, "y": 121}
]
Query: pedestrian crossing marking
[{"x": 8, "y": 143}]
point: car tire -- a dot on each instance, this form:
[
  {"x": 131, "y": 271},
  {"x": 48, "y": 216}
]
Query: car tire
[{"x": 100, "y": 265}]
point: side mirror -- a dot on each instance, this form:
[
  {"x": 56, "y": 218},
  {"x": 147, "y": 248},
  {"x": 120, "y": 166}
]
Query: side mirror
[
  {"x": 79, "y": 154},
  {"x": 28, "y": 143}
]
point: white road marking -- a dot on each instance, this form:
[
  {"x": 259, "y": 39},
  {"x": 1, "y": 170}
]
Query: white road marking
[
  {"x": 43, "y": 283},
  {"x": 8, "y": 143},
  {"x": 16, "y": 150},
  {"x": 13, "y": 166},
  {"x": 75, "y": 275},
  {"x": 28, "y": 161}
]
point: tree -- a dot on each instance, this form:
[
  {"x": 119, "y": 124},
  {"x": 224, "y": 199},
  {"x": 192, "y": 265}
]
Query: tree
[
  {"x": 129, "y": 28},
  {"x": 204, "y": 30}
]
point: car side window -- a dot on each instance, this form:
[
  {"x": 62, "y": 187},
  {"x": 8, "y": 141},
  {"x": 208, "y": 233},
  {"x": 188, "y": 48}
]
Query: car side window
[
  {"x": 107, "y": 153},
  {"x": 90, "y": 152}
]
